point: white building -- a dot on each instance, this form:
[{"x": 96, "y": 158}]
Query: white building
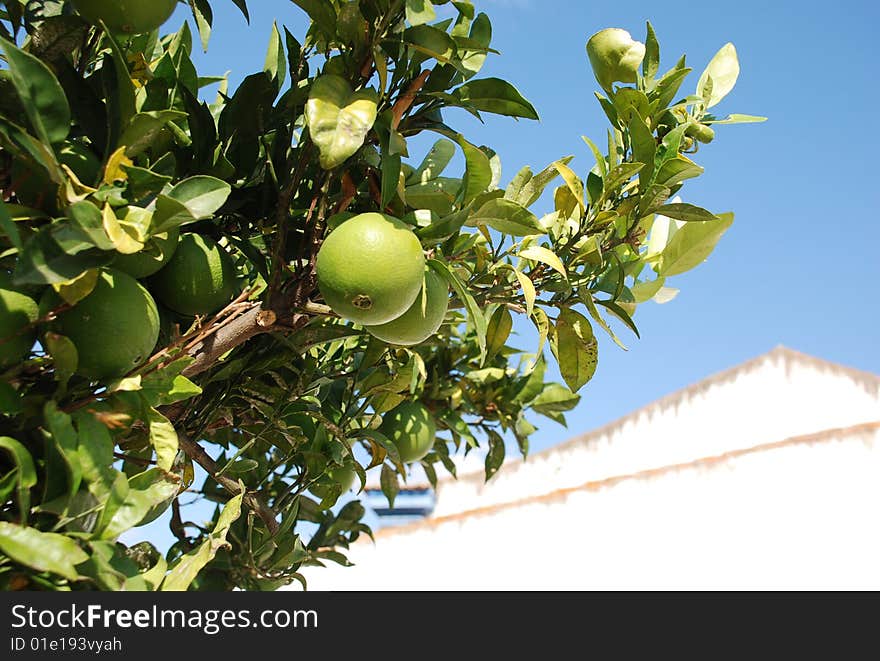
[{"x": 766, "y": 475}]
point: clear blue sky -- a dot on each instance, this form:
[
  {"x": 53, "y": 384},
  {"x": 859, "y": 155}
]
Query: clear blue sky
[{"x": 799, "y": 267}]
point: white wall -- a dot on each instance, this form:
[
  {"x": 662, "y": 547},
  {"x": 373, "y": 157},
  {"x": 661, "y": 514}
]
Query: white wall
[
  {"x": 803, "y": 516},
  {"x": 779, "y": 395}
]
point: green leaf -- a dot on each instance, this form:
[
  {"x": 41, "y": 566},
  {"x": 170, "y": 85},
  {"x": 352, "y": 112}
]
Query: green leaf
[
  {"x": 534, "y": 187},
  {"x": 643, "y": 147},
  {"x": 388, "y": 483},
  {"x": 507, "y": 217},
  {"x": 496, "y": 96},
  {"x": 676, "y": 170},
  {"x": 66, "y": 442},
  {"x": 477, "y": 173},
  {"x": 472, "y": 59},
  {"x": 201, "y": 195},
  {"x": 338, "y": 118},
  {"x": 143, "y": 129},
  {"x": 542, "y": 323},
  {"x": 65, "y": 357},
  {"x": 185, "y": 570},
  {"x": 57, "y": 253},
  {"x": 495, "y": 455},
  {"x": 686, "y": 212},
  {"x": 95, "y": 453},
  {"x": 545, "y": 256},
  {"x": 444, "y": 227},
  {"x": 430, "y": 41},
  {"x": 575, "y": 185},
  {"x": 529, "y": 293},
  {"x": 437, "y": 195},
  {"x": 276, "y": 62},
  {"x": 7, "y": 225},
  {"x": 88, "y": 218},
  {"x": 40, "y": 92},
  {"x": 691, "y": 244},
  {"x": 474, "y": 311},
  {"x": 204, "y": 18},
  {"x": 720, "y": 75},
  {"x": 122, "y": 239},
  {"x": 554, "y": 398},
  {"x": 169, "y": 213},
  {"x": 163, "y": 438},
  {"x": 321, "y": 12},
  {"x": 382, "y": 441},
  {"x": 618, "y": 176},
  {"x": 651, "y": 62},
  {"x": 498, "y": 330},
  {"x": 119, "y": 89},
  {"x": 645, "y": 291},
  {"x": 149, "y": 494},
  {"x": 42, "y": 551},
  {"x": 735, "y": 118},
  {"x": 600, "y": 159},
  {"x": 586, "y": 296},
  {"x": 434, "y": 163},
  {"x": 575, "y": 348},
  {"x": 26, "y": 474},
  {"x": 75, "y": 290},
  {"x": 419, "y": 12},
  {"x": 618, "y": 311}
]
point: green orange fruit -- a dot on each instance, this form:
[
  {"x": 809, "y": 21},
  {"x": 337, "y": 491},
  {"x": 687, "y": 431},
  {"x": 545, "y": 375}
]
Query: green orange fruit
[
  {"x": 411, "y": 427},
  {"x": 418, "y": 323},
  {"x": 337, "y": 479},
  {"x": 114, "y": 328},
  {"x": 701, "y": 133},
  {"x": 16, "y": 312},
  {"x": 156, "y": 253},
  {"x": 370, "y": 268},
  {"x": 615, "y": 56},
  {"x": 199, "y": 278},
  {"x": 127, "y": 16}
]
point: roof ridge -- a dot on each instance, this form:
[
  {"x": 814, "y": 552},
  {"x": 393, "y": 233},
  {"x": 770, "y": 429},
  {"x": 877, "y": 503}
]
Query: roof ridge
[
  {"x": 607, "y": 482},
  {"x": 867, "y": 379}
]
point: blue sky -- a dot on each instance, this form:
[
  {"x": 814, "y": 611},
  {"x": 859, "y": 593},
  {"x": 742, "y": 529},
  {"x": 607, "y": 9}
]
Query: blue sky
[{"x": 799, "y": 266}]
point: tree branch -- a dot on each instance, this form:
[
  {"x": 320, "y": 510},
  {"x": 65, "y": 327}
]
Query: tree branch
[
  {"x": 253, "y": 500},
  {"x": 229, "y": 336}
]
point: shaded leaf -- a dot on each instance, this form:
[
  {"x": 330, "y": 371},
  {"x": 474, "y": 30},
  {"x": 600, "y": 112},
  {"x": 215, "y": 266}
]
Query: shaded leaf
[
  {"x": 42, "y": 551},
  {"x": 496, "y": 96},
  {"x": 185, "y": 570}
]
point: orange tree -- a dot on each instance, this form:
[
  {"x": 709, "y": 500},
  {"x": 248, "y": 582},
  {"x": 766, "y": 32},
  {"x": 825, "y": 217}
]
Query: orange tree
[{"x": 266, "y": 286}]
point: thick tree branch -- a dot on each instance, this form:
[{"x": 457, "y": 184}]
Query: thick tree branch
[
  {"x": 252, "y": 500},
  {"x": 227, "y": 337}
]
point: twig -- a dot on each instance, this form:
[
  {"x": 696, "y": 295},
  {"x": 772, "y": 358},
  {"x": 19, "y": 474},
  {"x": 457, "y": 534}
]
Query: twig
[
  {"x": 253, "y": 500},
  {"x": 398, "y": 110}
]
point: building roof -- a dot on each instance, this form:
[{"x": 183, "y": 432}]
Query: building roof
[
  {"x": 825, "y": 436},
  {"x": 781, "y": 354}
]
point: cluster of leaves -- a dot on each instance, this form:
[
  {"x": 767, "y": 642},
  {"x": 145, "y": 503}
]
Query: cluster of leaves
[{"x": 267, "y": 169}]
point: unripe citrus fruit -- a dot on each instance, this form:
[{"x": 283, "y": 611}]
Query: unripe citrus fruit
[
  {"x": 114, "y": 328},
  {"x": 80, "y": 159},
  {"x": 16, "y": 312},
  {"x": 343, "y": 476},
  {"x": 411, "y": 428},
  {"x": 128, "y": 16},
  {"x": 199, "y": 279},
  {"x": 701, "y": 133},
  {"x": 156, "y": 253},
  {"x": 370, "y": 268},
  {"x": 615, "y": 56},
  {"x": 415, "y": 326}
]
